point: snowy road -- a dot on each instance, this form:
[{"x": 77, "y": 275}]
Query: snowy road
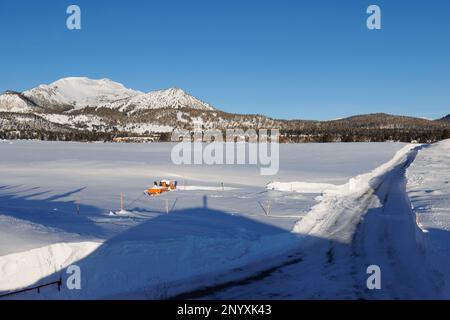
[{"x": 376, "y": 227}]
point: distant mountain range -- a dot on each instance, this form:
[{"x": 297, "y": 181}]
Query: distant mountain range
[{"x": 86, "y": 109}]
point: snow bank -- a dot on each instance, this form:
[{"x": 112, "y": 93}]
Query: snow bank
[
  {"x": 428, "y": 188},
  {"x": 301, "y": 187},
  {"x": 340, "y": 209},
  {"x": 205, "y": 188},
  {"x": 23, "y": 269}
]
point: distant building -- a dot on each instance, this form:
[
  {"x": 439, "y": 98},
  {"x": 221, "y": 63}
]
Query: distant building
[{"x": 147, "y": 139}]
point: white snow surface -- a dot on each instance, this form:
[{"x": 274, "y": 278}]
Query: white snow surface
[
  {"x": 429, "y": 189},
  {"x": 62, "y": 194},
  {"x": 369, "y": 221},
  {"x": 20, "y": 270},
  {"x": 324, "y": 214},
  {"x": 301, "y": 187},
  {"x": 429, "y": 192}
]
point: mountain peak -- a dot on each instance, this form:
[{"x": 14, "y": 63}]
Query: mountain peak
[
  {"x": 83, "y": 82},
  {"x": 174, "y": 98},
  {"x": 79, "y": 92},
  {"x": 73, "y": 93}
]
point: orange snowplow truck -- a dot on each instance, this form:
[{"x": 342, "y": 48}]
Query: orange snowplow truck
[{"x": 161, "y": 187}]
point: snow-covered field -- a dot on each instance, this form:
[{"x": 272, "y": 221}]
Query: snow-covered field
[
  {"x": 429, "y": 191},
  {"x": 59, "y": 206}
]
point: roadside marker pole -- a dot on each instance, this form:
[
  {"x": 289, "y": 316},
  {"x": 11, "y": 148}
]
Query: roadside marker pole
[
  {"x": 269, "y": 207},
  {"x": 77, "y": 204}
]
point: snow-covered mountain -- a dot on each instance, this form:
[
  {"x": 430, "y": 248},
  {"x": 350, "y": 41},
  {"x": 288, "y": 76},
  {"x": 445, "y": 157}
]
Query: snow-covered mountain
[
  {"x": 170, "y": 98},
  {"x": 106, "y": 106},
  {"x": 79, "y": 93},
  {"x": 81, "y": 108}
]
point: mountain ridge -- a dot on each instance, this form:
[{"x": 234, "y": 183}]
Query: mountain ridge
[
  {"x": 74, "y": 93},
  {"x": 105, "y": 108}
]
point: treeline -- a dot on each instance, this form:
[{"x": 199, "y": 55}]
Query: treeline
[
  {"x": 72, "y": 135},
  {"x": 365, "y": 128},
  {"x": 287, "y": 136},
  {"x": 46, "y": 135},
  {"x": 367, "y": 135}
]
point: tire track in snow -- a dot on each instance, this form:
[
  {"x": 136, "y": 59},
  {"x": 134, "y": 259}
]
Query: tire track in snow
[
  {"x": 330, "y": 230},
  {"x": 255, "y": 278},
  {"x": 388, "y": 239}
]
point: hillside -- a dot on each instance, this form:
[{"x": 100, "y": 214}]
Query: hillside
[{"x": 104, "y": 109}]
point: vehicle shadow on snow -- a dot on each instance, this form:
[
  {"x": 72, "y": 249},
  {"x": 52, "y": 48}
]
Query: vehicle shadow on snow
[{"x": 49, "y": 209}]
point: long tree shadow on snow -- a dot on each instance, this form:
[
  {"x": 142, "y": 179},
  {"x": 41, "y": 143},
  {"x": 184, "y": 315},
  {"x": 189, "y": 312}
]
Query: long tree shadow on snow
[{"x": 48, "y": 209}]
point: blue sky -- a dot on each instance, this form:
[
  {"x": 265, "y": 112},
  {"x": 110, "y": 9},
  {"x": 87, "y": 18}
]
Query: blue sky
[{"x": 286, "y": 58}]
